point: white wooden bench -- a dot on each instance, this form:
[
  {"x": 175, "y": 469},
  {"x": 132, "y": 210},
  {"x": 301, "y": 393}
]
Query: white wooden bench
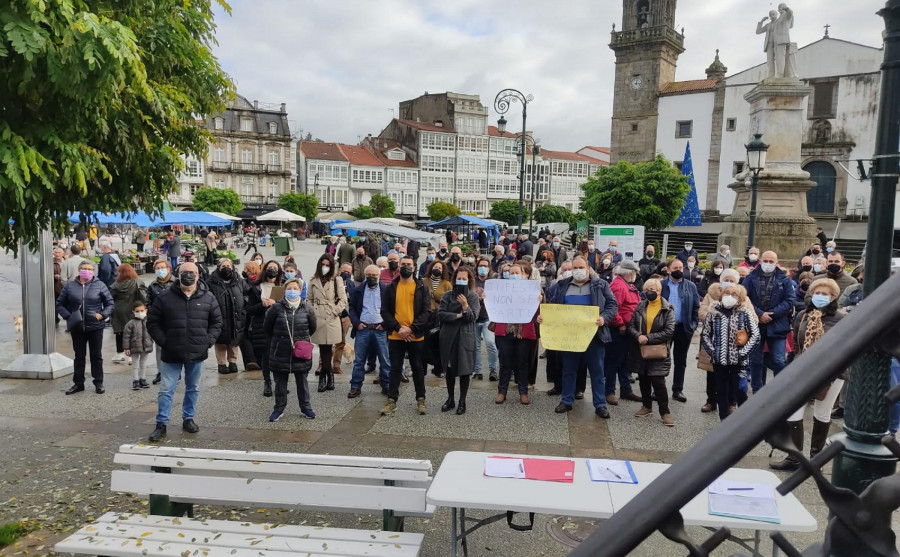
[
  {"x": 129, "y": 535},
  {"x": 177, "y": 478}
]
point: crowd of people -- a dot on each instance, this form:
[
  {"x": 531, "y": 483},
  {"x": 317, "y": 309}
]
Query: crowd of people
[{"x": 405, "y": 316}]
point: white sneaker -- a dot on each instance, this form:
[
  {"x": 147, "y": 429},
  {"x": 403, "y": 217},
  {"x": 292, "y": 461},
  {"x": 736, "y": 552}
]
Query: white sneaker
[
  {"x": 128, "y": 360},
  {"x": 119, "y": 358}
]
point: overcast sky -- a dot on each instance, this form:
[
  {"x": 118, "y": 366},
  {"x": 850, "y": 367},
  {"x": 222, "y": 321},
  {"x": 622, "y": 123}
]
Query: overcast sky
[{"x": 341, "y": 66}]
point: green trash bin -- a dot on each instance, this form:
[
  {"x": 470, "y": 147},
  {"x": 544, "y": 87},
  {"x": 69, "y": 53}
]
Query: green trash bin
[{"x": 283, "y": 245}]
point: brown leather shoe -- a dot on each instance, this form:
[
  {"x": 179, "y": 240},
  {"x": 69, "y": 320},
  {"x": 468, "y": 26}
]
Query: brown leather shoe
[
  {"x": 501, "y": 398},
  {"x": 338, "y": 370},
  {"x": 524, "y": 399},
  {"x": 354, "y": 393},
  {"x": 633, "y": 397},
  {"x": 667, "y": 420},
  {"x": 708, "y": 408},
  {"x": 612, "y": 400}
]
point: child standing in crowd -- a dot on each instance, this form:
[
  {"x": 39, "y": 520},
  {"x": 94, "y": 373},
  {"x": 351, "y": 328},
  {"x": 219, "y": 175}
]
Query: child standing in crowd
[{"x": 138, "y": 345}]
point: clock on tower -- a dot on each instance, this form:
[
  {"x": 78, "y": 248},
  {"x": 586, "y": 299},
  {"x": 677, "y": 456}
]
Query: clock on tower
[{"x": 646, "y": 50}]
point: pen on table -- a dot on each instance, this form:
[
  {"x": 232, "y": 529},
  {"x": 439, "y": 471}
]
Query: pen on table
[
  {"x": 740, "y": 489},
  {"x": 613, "y": 473}
]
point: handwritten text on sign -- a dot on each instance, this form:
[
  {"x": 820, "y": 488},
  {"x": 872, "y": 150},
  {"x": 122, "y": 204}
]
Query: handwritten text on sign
[
  {"x": 511, "y": 301},
  {"x": 568, "y": 328}
]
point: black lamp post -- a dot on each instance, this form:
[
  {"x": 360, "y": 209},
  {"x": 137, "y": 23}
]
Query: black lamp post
[
  {"x": 521, "y": 143},
  {"x": 501, "y": 104},
  {"x": 756, "y": 162}
]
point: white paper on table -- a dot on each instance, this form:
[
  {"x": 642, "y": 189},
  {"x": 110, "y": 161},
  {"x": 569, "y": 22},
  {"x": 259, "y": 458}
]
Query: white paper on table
[
  {"x": 603, "y": 470},
  {"x": 504, "y": 467},
  {"x": 752, "y": 508},
  {"x": 742, "y": 489}
]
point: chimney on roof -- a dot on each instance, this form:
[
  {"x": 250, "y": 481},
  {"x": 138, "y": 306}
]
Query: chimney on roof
[
  {"x": 418, "y": 121},
  {"x": 282, "y": 107},
  {"x": 255, "y": 103}
]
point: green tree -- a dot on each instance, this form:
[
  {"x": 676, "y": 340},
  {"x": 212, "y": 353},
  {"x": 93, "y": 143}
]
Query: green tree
[
  {"x": 307, "y": 206},
  {"x": 215, "y": 199},
  {"x": 98, "y": 101},
  {"x": 576, "y": 218},
  {"x": 508, "y": 211},
  {"x": 551, "y": 213},
  {"x": 382, "y": 206},
  {"x": 440, "y": 210},
  {"x": 650, "y": 194},
  {"x": 363, "y": 212}
]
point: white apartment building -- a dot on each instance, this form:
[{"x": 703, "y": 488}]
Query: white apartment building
[{"x": 325, "y": 172}]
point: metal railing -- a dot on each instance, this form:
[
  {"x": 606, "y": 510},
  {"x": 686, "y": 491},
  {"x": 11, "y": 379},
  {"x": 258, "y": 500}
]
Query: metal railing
[{"x": 855, "y": 519}]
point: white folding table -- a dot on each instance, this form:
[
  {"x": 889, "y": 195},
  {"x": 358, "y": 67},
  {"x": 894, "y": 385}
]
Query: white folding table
[{"x": 460, "y": 484}]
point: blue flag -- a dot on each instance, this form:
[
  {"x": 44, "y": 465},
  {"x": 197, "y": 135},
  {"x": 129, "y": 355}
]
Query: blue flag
[{"x": 690, "y": 213}]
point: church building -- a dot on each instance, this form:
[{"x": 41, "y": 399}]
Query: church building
[{"x": 653, "y": 113}]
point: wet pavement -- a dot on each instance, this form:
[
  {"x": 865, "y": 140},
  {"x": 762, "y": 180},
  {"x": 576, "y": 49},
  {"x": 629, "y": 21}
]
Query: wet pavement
[{"x": 57, "y": 450}]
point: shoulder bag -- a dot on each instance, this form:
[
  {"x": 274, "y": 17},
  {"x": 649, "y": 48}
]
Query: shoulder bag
[
  {"x": 654, "y": 351},
  {"x": 741, "y": 336},
  {"x": 302, "y": 348}
]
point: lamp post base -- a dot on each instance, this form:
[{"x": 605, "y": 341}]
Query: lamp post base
[{"x": 39, "y": 366}]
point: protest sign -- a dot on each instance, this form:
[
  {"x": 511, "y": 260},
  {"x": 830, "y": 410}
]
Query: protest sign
[
  {"x": 568, "y": 328},
  {"x": 511, "y": 301}
]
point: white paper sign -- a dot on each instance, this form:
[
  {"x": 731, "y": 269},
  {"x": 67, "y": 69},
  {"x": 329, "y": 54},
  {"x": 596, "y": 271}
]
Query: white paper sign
[
  {"x": 511, "y": 301},
  {"x": 504, "y": 467}
]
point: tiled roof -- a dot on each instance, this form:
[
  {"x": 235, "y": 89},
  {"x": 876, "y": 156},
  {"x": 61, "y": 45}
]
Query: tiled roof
[
  {"x": 322, "y": 151},
  {"x": 693, "y": 86},
  {"x": 425, "y": 126},
  {"x": 358, "y": 155},
  {"x": 567, "y": 156},
  {"x": 382, "y": 146},
  {"x": 598, "y": 149},
  {"x": 494, "y": 132}
]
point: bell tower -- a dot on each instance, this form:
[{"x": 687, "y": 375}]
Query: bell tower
[{"x": 646, "y": 50}]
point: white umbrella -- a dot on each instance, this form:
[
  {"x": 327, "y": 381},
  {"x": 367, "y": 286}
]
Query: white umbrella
[{"x": 281, "y": 216}]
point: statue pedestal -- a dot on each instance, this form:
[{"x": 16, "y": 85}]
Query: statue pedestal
[
  {"x": 782, "y": 222},
  {"x": 39, "y": 366}
]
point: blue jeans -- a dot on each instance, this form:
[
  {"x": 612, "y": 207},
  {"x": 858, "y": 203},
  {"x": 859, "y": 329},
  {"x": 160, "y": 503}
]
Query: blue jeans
[
  {"x": 482, "y": 332},
  {"x": 895, "y": 408},
  {"x": 614, "y": 363},
  {"x": 774, "y": 360},
  {"x": 173, "y": 261},
  {"x": 593, "y": 357},
  {"x": 370, "y": 343},
  {"x": 170, "y": 374}
]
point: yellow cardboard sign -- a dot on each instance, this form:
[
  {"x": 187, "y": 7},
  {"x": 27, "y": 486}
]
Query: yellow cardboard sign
[{"x": 568, "y": 328}]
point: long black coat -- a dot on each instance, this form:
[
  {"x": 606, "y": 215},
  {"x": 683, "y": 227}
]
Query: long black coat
[
  {"x": 124, "y": 294},
  {"x": 230, "y": 296},
  {"x": 661, "y": 332},
  {"x": 185, "y": 328},
  {"x": 155, "y": 288},
  {"x": 256, "y": 315},
  {"x": 90, "y": 298},
  {"x": 457, "y": 336},
  {"x": 284, "y": 324}
]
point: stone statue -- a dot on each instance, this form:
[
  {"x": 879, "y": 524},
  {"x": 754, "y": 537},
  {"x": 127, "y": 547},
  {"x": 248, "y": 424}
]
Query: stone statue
[{"x": 777, "y": 46}]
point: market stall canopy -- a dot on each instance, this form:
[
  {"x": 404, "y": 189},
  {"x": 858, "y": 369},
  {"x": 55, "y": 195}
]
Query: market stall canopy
[
  {"x": 331, "y": 217},
  {"x": 280, "y": 215},
  {"x": 465, "y": 221},
  {"x": 395, "y": 231},
  {"x": 142, "y": 219},
  {"x": 391, "y": 222},
  {"x": 222, "y": 215}
]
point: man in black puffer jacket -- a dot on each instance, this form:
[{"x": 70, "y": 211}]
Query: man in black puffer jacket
[{"x": 185, "y": 321}]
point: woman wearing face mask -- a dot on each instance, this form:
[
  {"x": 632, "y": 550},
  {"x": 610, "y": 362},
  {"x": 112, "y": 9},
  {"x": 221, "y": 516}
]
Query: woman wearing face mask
[
  {"x": 605, "y": 270},
  {"x": 516, "y": 345},
  {"x": 546, "y": 267},
  {"x": 652, "y": 324},
  {"x": 438, "y": 283},
  {"x": 724, "y": 256},
  {"x": 258, "y": 301},
  {"x": 125, "y": 292},
  {"x": 710, "y": 277},
  {"x": 730, "y": 333},
  {"x": 288, "y": 322},
  {"x": 803, "y": 282},
  {"x": 163, "y": 281},
  {"x": 692, "y": 271},
  {"x": 249, "y": 274},
  {"x": 258, "y": 259},
  {"x": 820, "y": 315},
  {"x": 328, "y": 297},
  {"x": 483, "y": 333},
  {"x": 228, "y": 288},
  {"x": 457, "y": 313},
  {"x": 729, "y": 277}
]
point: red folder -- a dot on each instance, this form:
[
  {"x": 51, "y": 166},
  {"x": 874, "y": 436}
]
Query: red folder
[{"x": 547, "y": 470}]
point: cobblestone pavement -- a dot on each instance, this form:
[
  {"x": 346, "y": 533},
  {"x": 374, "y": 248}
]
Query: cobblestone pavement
[{"x": 57, "y": 451}]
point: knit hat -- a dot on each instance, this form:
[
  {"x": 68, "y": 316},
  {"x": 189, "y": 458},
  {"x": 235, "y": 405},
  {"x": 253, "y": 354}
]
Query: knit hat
[{"x": 628, "y": 266}]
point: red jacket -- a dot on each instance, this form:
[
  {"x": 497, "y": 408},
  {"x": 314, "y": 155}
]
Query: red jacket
[
  {"x": 628, "y": 298},
  {"x": 387, "y": 276},
  {"x": 527, "y": 330}
]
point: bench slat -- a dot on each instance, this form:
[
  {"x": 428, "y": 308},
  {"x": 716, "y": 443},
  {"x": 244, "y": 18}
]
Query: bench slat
[
  {"x": 257, "y": 468},
  {"x": 260, "y": 529},
  {"x": 266, "y": 492},
  {"x": 125, "y": 535},
  {"x": 290, "y": 458}
]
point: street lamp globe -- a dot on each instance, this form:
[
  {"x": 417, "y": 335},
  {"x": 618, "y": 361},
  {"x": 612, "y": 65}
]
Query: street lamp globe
[
  {"x": 756, "y": 153},
  {"x": 501, "y": 124}
]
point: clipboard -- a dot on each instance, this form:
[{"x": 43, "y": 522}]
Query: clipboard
[{"x": 277, "y": 293}]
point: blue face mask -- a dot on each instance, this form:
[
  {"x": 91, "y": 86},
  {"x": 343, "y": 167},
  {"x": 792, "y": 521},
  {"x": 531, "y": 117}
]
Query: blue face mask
[
  {"x": 482, "y": 271},
  {"x": 556, "y": 244},
  {"x": 829, "y": 249},
  {"x": 612, "y": 249},
  {"x": 515, "y": 277},
  {"x": 462, "y": 283},
  {"x": 821, "y": 300},
  {"x": 162, "y": 273},
  {"x": 726, "y": 284},
  {"x": 289, "y": 275},
  {"x": 292, "y": 295},
  {"x": 506, "y": 274},
  {"x": 430, "y": 257}
]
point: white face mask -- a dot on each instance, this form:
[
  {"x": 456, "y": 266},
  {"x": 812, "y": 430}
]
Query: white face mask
[
  {"x": 690, "y": 264},
  {"x": 591, "y": 247},
  {"x": 140, "y": 314},
  {"x": 768, "y": 267},
  {"x": 579, "y": 274},
  {"x": 606, "y": 262},
  {"x": 729, "y": 301},
  {"x": 717, "y": 271},
  {"x": 752, "y": 257},
  {"x": 567, "y": 274}
]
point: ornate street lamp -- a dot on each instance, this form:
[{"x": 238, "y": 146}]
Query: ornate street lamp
[
  {"x": 535, "y": 151},
  {"x": 501, "y": 104},
  {"x": 756, "y": 162}
]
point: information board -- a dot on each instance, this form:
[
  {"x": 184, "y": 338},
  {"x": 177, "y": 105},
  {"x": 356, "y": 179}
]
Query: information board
[{"x": 630, "y": 239}]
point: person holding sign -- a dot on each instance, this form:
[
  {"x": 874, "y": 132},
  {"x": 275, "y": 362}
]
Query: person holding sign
[
  {"x": 259, "y": 300},
  {"x": 583, "y": 290},
  {"x": 652, "y": 327},
  {"x": 515, "y": 342},
  {"x": 457, "y": 313}
]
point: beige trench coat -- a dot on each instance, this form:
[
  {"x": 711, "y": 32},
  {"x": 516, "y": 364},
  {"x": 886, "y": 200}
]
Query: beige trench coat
[{"x": 328, "y": 313}]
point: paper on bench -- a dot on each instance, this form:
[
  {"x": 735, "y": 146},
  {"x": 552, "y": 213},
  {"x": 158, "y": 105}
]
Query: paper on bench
[
  {"x": 504, "y": 467},
  {"x": 742, "y": 489},
  {"x": 750, "y": 508},
  {"x": 613, "y": 471}
]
